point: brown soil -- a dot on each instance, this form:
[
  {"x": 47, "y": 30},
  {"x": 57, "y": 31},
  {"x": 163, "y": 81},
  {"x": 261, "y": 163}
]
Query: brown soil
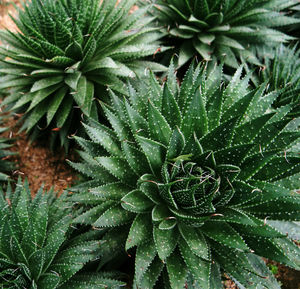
[
  {"x": 289, "y": 278},
  {"x": 5, "y": 9},
  {"x": 229, "y": 284},
  {"x": 37, "y": 163}
]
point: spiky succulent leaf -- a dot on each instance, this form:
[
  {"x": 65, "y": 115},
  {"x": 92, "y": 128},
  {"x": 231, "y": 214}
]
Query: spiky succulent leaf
[
  {"x": 37, "y": 247},
  {"x": 222, "y": 30},
  {"x": 66, "y": 52},
  {"x": 197, "y": 191}
]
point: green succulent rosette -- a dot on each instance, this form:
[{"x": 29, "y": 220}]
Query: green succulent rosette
[
  {"x": 196, "y": 172},
  {"x": 229, "y": 31},
  {"x": 64, "y": 55},
  {"x": 38, "y": 246}
]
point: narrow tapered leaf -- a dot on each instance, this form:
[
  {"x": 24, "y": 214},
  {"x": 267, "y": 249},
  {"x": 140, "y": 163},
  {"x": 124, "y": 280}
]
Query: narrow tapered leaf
[
  {"x": 223, "y": 233},
  {"x": 114, "y": 216},
  {"x": 177, "y": 271},
  {"x": 153, "y": 150},
  {"x": 44, "y": 83},
  {"x": 193, "y": 264},
  {"x": 118, "y": 167},
  {"x": 158, "y": 126},
  {"x": 139, "y": 232},
  {"x": 196, "y": 241},
  {"x": 137, "y": 202},
  {"x": 165, "y": 241}
]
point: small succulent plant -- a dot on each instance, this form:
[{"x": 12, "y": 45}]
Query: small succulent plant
[
  {"x": 193, "y": 174},
  {"x": 37, "y": 248},
  {"x": 282, "y": 73},
  {"x": 6, "y": 165},
  {"x": 66, "y": 52},
  {"x": 222, "y": 30}
]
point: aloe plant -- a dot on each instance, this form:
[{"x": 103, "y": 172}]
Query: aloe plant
[
  {"x": 37, "y": 247},
  {"x": 282, "y": 73},
  {"x": 192, "y": 174},
  {"x": 228, "y": 31},
  {"x": 66, "y": 53}
]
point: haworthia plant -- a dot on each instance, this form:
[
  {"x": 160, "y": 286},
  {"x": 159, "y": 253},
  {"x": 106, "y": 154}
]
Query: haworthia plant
[
  {"x": 66, "y": 52},
  {"x": 195, "y": 171},
  {"x": 37, "y": 247},
  {"x": 223, "y": 30}
]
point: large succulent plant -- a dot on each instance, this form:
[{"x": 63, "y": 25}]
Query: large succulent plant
[
  {"x": 222, "y": 30},
  {"x": 65, "y": 51},
  {"x": 37, "y": 248},
  {"x": 194, "y": 171}
]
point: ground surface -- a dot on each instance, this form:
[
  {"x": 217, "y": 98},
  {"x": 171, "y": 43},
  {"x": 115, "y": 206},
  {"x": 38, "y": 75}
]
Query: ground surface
[
  {"x": 5, "y": 10},
  {"x": 41, "y": 166},
  {"x": 37, "y": 163},
  {"x": 289, "y": 278}
]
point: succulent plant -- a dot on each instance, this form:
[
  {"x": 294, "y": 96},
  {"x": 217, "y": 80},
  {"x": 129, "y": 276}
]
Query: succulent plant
[
  {"x": 222, "y": 30},
  {"x": 195, "y": 172},
  {"x": 282, "y": 73},
  {"x": 37, "y": 248},
  {"x": 65, "y": 53},
  {"x": 6, "y": 165}
]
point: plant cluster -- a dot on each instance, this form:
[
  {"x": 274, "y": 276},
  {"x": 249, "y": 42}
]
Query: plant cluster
[{"x": 183, "y": 179}]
